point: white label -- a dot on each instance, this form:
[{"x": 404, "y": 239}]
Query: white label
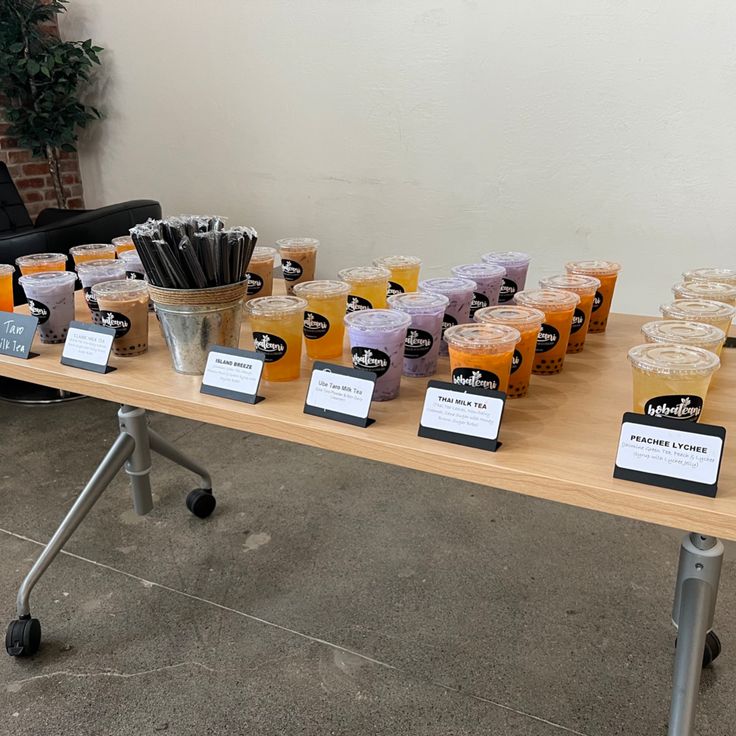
[
  {"x": 462, "y": 413},
  {"x": 668, "y": 452},
  {"x": 340, "y": 393},
  {"x": 236, "y": 373},
  {"x": 88, "y": 346}
]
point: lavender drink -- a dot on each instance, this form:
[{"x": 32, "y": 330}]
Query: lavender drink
[
  {"x": 424, "y": 334},
  {"x": 95, "y": 272},
  {"x": 377, "y": 344},
  {"x": 488, "y": 278},
  {"x": 460, "y": 293},
  {"x": 516, "y": 265},
  {"x": 51, "y": 298}
]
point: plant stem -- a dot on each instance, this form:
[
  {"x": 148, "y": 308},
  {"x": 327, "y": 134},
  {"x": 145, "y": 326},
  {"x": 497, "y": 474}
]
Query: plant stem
[{"x": 53, "y": 161}]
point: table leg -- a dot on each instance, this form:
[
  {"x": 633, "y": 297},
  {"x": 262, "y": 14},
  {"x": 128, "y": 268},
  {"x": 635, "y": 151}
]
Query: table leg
[{"x": 696, "y": 591}]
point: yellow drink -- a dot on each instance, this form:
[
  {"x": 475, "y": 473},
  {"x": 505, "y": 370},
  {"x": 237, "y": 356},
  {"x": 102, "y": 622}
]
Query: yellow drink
[
  {"x": 324, "y": 328},
  {"x": 404, "y": 273},
  {"x": 682, "y": 332},
  {"x": 368, "y": 287},
  {"x": 714, "y": 291},
  {"x": 709, "y": 312},
  {"x": 122, "y": 244},
  {"x": 39, "y": 262},
  {"x": 91, "y": 252}
]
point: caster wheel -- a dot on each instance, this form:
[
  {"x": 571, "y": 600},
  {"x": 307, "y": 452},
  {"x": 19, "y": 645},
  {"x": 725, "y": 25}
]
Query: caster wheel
[
  {"x": 23, "y": 637},
  {"x": 712, "y": 648},
  {"x": 201, "y": 502}
]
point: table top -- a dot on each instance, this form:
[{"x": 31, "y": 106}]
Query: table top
[{"x": 559, "y": 443}]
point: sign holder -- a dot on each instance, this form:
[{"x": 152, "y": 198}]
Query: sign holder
[
  {"x": 225, "y": 393},
  {"x": 96, "y": 367},
  {"x": 319, "y": 411},
  {"x": 16, "y": 335}
]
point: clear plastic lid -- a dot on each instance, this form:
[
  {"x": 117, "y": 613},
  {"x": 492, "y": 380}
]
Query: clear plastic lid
[
  {"x": 579, "y": 283},
  {"x": 723, "y": 275},
  {"x": 40, "y": 258},
  {"x": 127, "y": 256},
  {"x": 275, "y": 306},
  {"x": 449, "y": 287},
  {"x": 483, "y": 337},
  {"x": 593, "y": 268},
  {"x": 364, "y": 274},
  {"x": 698, "y": 310},
  {"x": 377, "y": 320},
  {"x": 713, "y": 290},
  {"x": 122, "y": 240},
  {"x": 507, "y": 257},
  {"x": 48, "y": 279},
  {"x": 548, "y": 300},
  {"x": 419, "y": 302},
  {"x": 6, "y": 268},
  {"x": 479, "y": 271},
  {"x": 102, "y": 264},
  {"x": 398, "y": 262},
  {"x": 297, "y": 245},
  {"x": 683, "y": 332},
  {"x": 673, "y": 360},
  {"x": 321, "y": 289},
  {"x": 263, "y": 254},
  {"x": 523, "y": 318},
  {"x": 89, "y": 248},
  {"x": 120, "y": 291}
]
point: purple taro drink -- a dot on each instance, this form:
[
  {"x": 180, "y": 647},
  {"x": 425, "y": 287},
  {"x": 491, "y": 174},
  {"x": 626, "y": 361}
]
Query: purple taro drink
[
  {"x": 516, "y": 265},
  {"x": 377, "y": 339},
  {"x": 489, "y": 280},
  {"x": 51, "y": 298},
  {"x": 424, "y": 334},
  {"x": 95, "y": 272},
  {"x": 460, "y": 293}
]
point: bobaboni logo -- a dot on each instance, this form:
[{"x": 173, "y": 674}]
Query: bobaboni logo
[
  {"x": 417, "y": 343},
  {"x": 119, "y": 322},
  {"x": 372, "y": 360},
  {"x": 686, "y": 408},
  {"x": 292, "y": 270},
  {"x": 315, "y": 325},
  {"x": 475, "y": 378},
  {"x": 272, "y": 346}
]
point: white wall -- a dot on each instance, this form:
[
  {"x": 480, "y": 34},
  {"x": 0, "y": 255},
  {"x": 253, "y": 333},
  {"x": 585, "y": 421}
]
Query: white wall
[{"x": 567, "y": 128}]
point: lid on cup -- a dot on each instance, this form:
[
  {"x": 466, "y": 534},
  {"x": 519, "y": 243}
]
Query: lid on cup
[
  {"x": 40, "y": 258},
  {"x": 507, "y": 257},
  {"x": 377, "y": 320},
  {"x": 523, "y": 318},
  {"x": 6, "y": 268},
  {"x": 698, "y": 310},
  {"x": 397, "y": 261},
  {"x": 102, "y": 264},
  {"x": 449, "y": 287},
  {"x": 296, "y": 245},
  {"x": 713, "y": 290},
  {"x": 322, "y": 289},
  {"x": 120, "y": 290},
  {"x": 579, "y": 283},
  {"x": 548, "y": 300},
  {"x": 48, "y": 279},
  {"x": 593, "y": 268},
  {"x": 673, "y": 360},
  {"x": 127, "y": 256},
  {"x": 485, "y": 337},
  {"x": 275, "y": 306},
  {"x": 479, "y": 271},
  {"x": 122, "y": 240},
  {"x": 262, "y": 254},
  {"x": 364, "y": 274},
  {"x": 683, "y": 332},
  {"x": 724, "y": 275},
  {"x": 419, "y": 302},
  {"x": 91, "y": 248}
]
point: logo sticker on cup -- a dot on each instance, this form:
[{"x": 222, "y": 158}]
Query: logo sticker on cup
[
  {"x": 394, "y": 288},
  {"x": 272, "y": 346},
  {"x": 357, "y": 303},
  {"x": 685, "y": 408},
  {"x": 119, "y": 322},
  {"x": 479, "y": 301},
  {"x": 255, "y": 283},
  {"x": 476, "y": 378},
  {"x": 516, "y": 361},
  {"x": 547, "y": 338},
  {"x": 292, "y": 270},
  {"x": 508, "y": 290},
  {"x": 448, "y": 321},
  {"x": 597, "y": 301},
  {"x": 315, "y": 325},
  {"x": 134, "y": 276},
  {"x": 578, "y": 320},
  {"x": 372, "y": 360},
  {"x": 40, "y": 310},
  {"x": 417, "y": 343},
  {"x": 91, "y": 301}
]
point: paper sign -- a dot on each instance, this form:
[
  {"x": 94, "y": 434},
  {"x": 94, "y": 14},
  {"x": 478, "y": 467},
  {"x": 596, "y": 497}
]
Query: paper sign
[
  {"x": 339, "y": 393},
  {"x": 233, "y": 374},
  {"x": 462, "y": 415},
  {"x": 88, "y": 347},
  {"x": 16, "y": 334},
  {"x": 670, "y": 454}
]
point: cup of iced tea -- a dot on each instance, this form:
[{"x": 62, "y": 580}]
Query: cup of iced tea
[
  {"x": 123, "y": 305},
  {"x": 40, "y": 262},
  {"x": 123, "y": 244},
  {"x": 277, "y": 323},
  {"x": 368, "y": 287},
  {"x": 586, "y": 287},
  {"x": 95, "y": 272},
  {"x": 714, "y": 291},
  {"x": 260, "y": 272},
  {"x": 516, "y": 265},
  {"x": 404, "y": 273},
  {"x": 671, "y": 380},
  {"x": 6, "y": 287},
  {"x": 700, "y": 310},
  {"x": 50, "y": 296},
  {"x": 488, "y": 278},
  {"x": 721, "y": 275},
  {"x": 460, "y": 293},
  {"x": 298, "y": 260},
  {"x": 607, "y": 273},
  {"x": 91, "y": 252},
  {"x": 324, "y": 328},
  {"x": 682, "y": 332}
]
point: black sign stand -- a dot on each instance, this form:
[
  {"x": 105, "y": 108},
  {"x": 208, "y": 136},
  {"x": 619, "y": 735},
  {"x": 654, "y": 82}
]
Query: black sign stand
[
  {"x": 225, "y": 393},
  {"x": 318, "y": 411},
  {"x": 83, "y": 364},
  {"x": 13, "y": 344}
]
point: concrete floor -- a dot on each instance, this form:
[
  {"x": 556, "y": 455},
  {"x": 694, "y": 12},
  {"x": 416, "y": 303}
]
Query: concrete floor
[{"x": 329, "y": 595}]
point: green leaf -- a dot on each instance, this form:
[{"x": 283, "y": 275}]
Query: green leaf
[
  {"x": 16, "y": 47},
  {"x": 33, "y": 66},
  {"x": 68, "y": 147}
]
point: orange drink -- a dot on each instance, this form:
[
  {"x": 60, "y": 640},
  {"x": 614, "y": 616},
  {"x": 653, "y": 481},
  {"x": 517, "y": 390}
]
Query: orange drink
[
  {"x": 324, "y": 328},
  {"x": 607, "y": 273},
  {"x": 714, "y": 291},
  {"x": 528, "y": 322},
  {"x": 259, "y": 272},
  {"x": 91, "y": 252},
  {"x": 277, "y": 323},
  {"x": 721, "y": 275},
  {"x": 682, "y": 332},
  {"x": 700, "y": 310},
  {"x": 558, "y": 307},
  {"x": 123, "y": 244},
  {"x": 39, "y": 262},
  {"x": 368, "y": 287},
  {"x": 6, "y": 287},
  {"x": 586, "y": 288},
  {"x": 404, "y": 272},
  {"x": 481, "y": 353},
  {"x": 298, "y": 260}
]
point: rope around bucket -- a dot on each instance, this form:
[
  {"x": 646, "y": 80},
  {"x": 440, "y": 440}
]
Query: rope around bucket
[{"x": 198, "y": 297}]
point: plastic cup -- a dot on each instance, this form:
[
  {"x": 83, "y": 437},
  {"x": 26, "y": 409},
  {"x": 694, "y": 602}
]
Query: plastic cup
[
  {"x": 298, "y": 260},
  {"x": 671, "y": 380},
  {"x": 586, "y": 287},
  {"x": 721, "y": 275},
  {"x": 277, "y": 323},
  {"x": 700, "y": 310},
  {"x": 123, "y": 244},
  {"x": 558, "y": 307},
  {"x": 260, "y": 272},
  {"x": 713, "y": 291},
  {"x": 123, "y": 305},
  {"x": 368, "y": 287},
  {"x": 95, "y": 272},
  {"x": 607, "y": 273},
  {"x": 460, "y": 293},
  {"x": 377, "y": 338},
  {"x": 134, "y": 270},
  {"x": 6, "y": 287},
  {"x": 488, "y": 279},
  {"x": 481, "y": 354},
  {"x": 424, "y": 334},
  {"x": 681, "y": 332},
  {"x": 50, "y": 297},
  {"x": 324, "y": 329},
  {"x": 516, "y": 265},
  {"x": 40, "y": 262},
  {"x": 528, "y": 321},
  {"x": 404, "y": 272},
  {"x": 91, "y": 252}
]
